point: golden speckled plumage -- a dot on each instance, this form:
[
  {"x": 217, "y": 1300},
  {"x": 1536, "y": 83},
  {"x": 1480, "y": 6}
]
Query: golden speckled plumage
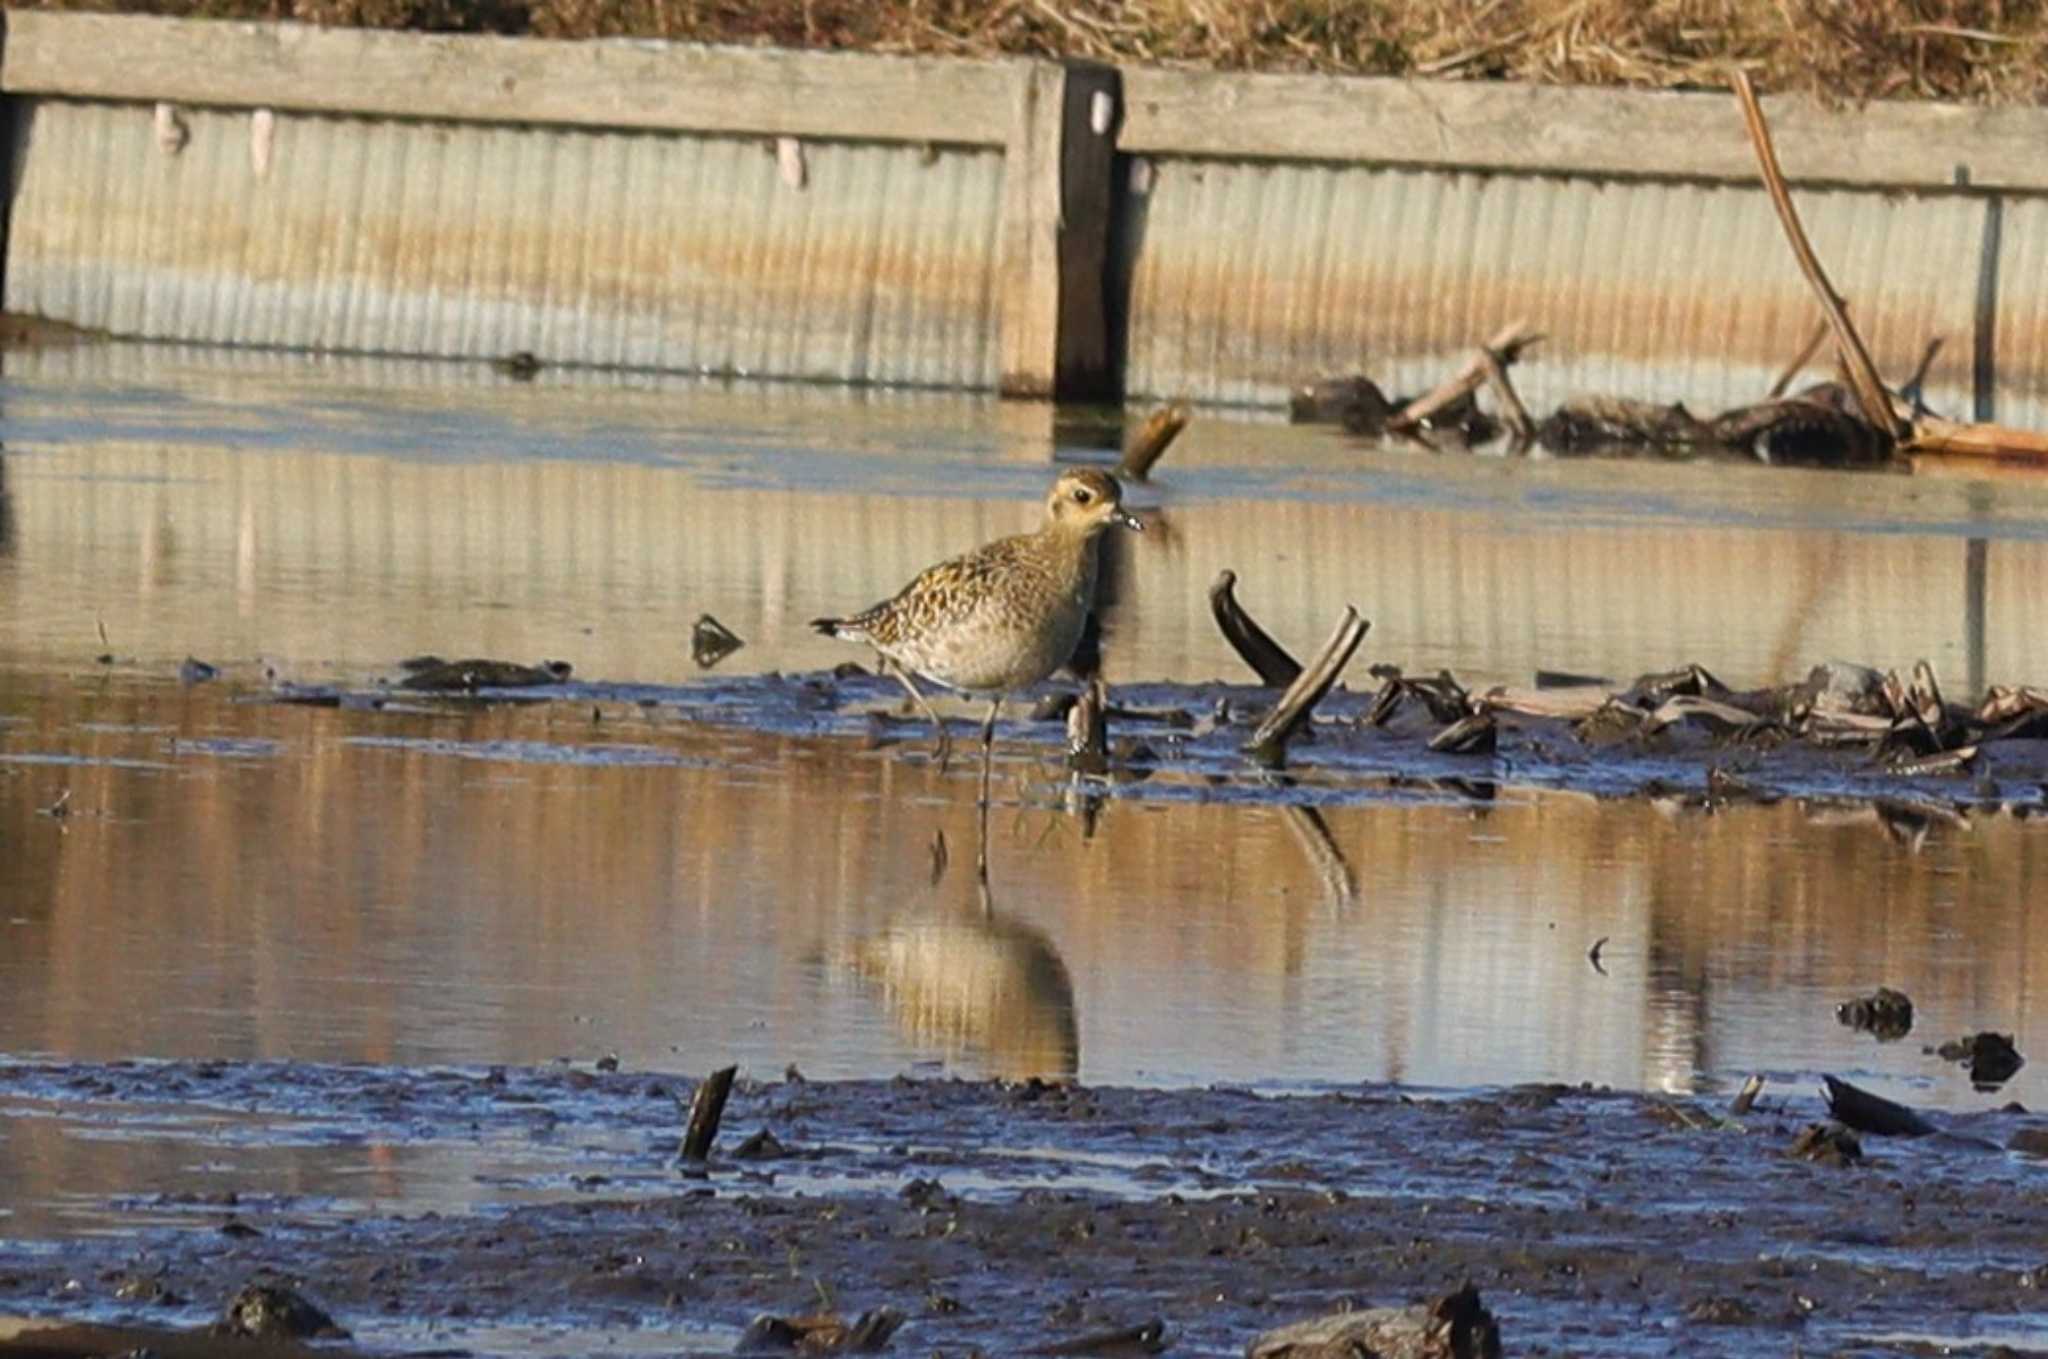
[{"x": 1007, "y": 614}]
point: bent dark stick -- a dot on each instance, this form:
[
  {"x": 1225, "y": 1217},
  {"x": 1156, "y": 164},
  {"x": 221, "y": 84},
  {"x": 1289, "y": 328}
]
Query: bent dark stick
[{"x": 1275, "y": 668}]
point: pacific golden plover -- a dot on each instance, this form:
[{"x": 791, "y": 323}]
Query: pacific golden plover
[{"x": 1002, "y": 617}]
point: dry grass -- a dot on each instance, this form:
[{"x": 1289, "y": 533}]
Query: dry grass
[{"x": 1993, "y": 51}]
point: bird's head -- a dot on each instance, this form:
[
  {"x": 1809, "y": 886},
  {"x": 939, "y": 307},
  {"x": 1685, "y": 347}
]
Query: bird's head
[{"x": 1088, "y": 501}]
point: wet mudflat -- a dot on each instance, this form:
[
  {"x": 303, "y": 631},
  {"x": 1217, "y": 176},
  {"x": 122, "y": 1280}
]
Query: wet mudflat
[
  {"x": 260, "y": 955},
  {"x": 999, "y": 1217}
]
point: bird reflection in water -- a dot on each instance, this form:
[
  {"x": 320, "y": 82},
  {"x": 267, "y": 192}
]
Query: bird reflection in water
[{"x": 971, "y": 981}]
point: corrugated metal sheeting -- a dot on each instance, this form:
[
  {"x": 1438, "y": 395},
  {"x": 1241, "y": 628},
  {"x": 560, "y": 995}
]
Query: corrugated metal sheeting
[
  {"x": 1249, "y": 277},
  {"x": 833, "y": 260}
]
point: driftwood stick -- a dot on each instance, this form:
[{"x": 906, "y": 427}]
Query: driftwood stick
[
  {"x": 1276, "y": 669},
  {"x": 1268, "y": 742},
  {"x": 1152, "y": 440},
  {"x": 1863, "y": 378},
  {"x": 1503, "y": 349},
  {"x": 707, "y": 1106},
  {"x": 1814, "y": 340}
]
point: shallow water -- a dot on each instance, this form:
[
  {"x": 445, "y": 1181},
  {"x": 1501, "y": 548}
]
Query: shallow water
[{"x": 518, "y": 884}]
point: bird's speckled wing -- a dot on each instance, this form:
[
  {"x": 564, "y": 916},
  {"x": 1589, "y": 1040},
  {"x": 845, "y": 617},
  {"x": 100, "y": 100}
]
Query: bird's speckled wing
[{"x": 1002, "y": 576}]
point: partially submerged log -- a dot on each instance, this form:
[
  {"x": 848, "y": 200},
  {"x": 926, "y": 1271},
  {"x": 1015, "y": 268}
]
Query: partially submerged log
[{"x": 1455, "y": 1326}]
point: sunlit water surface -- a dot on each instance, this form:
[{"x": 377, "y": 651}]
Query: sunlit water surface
[{"x": 240, "y": 880}]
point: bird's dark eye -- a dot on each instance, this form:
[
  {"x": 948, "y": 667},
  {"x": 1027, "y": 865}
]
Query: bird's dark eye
[{"x": 1081, "y": 495}]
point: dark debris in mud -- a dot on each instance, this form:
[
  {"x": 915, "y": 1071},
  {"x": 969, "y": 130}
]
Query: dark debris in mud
[
  {"x": 1991, "y": 1058},
  {"x": 1222, "y": 1213},
  {"x": 1847, "y": 736}
]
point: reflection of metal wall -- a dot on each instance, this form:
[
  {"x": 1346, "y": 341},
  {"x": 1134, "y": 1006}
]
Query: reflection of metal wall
[{"x": 199, "y": 545}]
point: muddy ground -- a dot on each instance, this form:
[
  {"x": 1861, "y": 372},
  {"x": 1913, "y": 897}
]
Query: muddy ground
[
  {"x": 1187, "y": 742},
  {"x": 1003, "y": 1217}
]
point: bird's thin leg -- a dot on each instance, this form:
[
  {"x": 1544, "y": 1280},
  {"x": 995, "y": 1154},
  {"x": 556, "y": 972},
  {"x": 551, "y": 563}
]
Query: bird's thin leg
[
  {"x": 981, "y": 862},
  {"x": 945, "y": 747},
  {"x": 988, "y": 737}
]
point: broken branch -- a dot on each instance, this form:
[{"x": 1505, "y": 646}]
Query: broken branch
[
  {"x": 1269, "y": 740},
  {"x": 1863, "y": 378},
  {"x": 1151, "y": 441},
  {"x": 1503, "y": 349}
]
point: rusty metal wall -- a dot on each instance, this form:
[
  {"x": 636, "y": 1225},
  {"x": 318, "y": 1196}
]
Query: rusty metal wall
[
  {"x": 1248, "y": 277},
  {"x": 696, "y": 253}
]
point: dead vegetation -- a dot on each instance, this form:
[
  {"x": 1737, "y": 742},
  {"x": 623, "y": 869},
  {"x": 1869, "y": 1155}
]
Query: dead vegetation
[{"x": 1983, "y": 51}]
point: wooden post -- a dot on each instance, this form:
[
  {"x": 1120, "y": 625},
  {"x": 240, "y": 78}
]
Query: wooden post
[
  {"x": 1091, "y": 115},
  {"x": 1055, "y": 234}
]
